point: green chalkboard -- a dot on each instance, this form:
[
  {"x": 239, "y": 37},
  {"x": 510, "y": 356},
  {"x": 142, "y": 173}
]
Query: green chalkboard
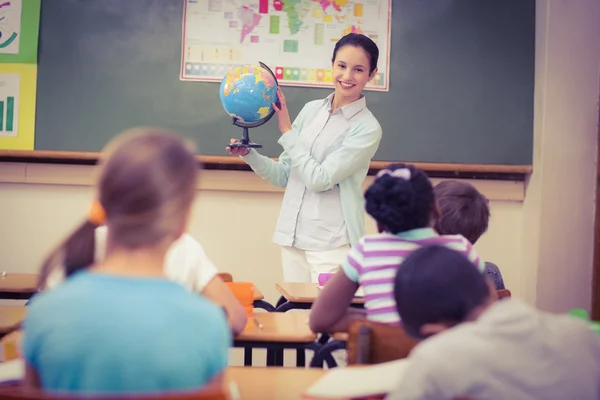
[{"x": 461, "y": 82}]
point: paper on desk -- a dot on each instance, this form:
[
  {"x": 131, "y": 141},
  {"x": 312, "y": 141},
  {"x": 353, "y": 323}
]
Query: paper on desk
[
  {"x": 12, "y": 371},
  {"x": 357, "y": 382}
]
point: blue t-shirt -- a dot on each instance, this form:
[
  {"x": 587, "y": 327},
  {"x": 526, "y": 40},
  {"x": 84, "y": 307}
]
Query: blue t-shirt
[{"x": 105, "y": 333}]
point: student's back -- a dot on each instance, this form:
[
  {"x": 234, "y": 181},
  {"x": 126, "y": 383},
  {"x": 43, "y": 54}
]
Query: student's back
[
  {"x": 477, "y": 348},
  {"x": 105, "y": 333},
  {"x": 464, "y": 211},
  {"x": 374, "y": 261},
  {"x": 118, "y": 325},
  {"x": 402, "y": 202}
]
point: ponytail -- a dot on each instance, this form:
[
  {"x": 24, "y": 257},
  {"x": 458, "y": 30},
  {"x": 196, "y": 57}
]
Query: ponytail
[{"x": 77, "y": 252}]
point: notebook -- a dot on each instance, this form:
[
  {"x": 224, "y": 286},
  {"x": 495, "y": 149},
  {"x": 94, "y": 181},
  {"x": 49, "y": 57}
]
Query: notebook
[
  {"x": 360, "y": 381},
  {"x": 12, "y": 371}
]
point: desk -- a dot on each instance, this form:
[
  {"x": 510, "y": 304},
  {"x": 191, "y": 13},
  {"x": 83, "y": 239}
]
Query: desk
[
  {"x": 259, "y": 301},
  {"x": 278, "y": 331},
  {"x": 10, "y": 316},
  {"x": 300, "y": 295},
  {"x": 18, "y": 286},
  {"x": 272, "y": 383}
]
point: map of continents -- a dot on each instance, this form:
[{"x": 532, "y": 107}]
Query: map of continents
[{"x": 294, "y": 10}]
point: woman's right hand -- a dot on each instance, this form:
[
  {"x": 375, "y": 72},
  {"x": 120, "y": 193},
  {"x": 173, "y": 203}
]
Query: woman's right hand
[{"x": 237, "y": 151}]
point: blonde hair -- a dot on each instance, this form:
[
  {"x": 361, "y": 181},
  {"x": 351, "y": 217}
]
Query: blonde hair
[{"x": 146, "y": 186}]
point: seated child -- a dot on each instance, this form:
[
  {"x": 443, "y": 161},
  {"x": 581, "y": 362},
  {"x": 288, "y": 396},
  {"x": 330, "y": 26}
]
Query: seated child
[
  {"x": 402, "y": 202},
  {"x": 477, "y": 348},
  {"x": 186, "y": 263},
  {"x": 120, "y": 326},
  {"x": 465, "y": 211}
]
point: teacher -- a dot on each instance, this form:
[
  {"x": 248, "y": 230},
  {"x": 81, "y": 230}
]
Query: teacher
[{"x": 325, "y": 159}]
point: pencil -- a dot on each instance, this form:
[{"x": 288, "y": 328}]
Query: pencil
[{"x": 258, "y": 324}]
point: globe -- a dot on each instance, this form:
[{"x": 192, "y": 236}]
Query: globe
[{"x": 248, "y": 93}]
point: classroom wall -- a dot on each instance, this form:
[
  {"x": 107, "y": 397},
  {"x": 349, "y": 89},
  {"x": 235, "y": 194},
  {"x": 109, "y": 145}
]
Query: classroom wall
[{"x": 540, "y": 232}]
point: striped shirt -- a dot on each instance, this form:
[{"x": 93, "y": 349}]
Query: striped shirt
[{"x": 374, "y": 260}]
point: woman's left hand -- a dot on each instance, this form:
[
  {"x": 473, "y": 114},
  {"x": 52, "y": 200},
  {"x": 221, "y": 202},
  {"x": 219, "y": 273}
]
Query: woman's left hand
[{"x": 283, "y": 115}]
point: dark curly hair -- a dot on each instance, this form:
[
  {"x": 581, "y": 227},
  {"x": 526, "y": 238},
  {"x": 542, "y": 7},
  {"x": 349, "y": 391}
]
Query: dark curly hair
[{"x": 398, "y": 204}]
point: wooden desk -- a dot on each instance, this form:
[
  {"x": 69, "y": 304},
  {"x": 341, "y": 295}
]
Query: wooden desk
[
  {"x": 273, "y": 383},
  {"x": 278, "y": 331},
  {"x": 260, "y": 302},
  {"x": 17, "y": 286},
  {"x": 299, "y": 295},
  {"x": 11, "y": 316}
]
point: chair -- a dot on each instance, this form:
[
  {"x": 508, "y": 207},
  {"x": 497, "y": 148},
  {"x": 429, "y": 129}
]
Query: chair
[
  {"x": 504, "y": 294},
  {"x": 20, "y": 393},
  {"x": 372, "y": 342},
  {"x": 225, "y": 276}
]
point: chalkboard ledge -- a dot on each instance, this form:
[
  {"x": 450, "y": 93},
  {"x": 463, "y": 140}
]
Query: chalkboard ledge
[{"x": 434, "y": 170}]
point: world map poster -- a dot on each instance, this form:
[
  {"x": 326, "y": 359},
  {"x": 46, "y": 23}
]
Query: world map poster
[{"x": 295, "y": 38}]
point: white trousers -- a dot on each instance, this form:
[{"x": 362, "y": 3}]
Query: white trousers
[{"x": 305, "y": 266}]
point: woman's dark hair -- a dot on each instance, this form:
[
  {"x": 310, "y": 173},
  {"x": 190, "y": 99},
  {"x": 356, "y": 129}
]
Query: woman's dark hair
[
  {"x": 146, "y": 186},
  {"x": 399, "y": 204},
  {"x": 362, "y": 41},
  {"x": 436, "y": 284}
]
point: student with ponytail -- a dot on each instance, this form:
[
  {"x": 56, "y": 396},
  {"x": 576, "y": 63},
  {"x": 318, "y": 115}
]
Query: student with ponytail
[
  {"x": 402, "y": 202},
  {"x": 119, "y": 325}
]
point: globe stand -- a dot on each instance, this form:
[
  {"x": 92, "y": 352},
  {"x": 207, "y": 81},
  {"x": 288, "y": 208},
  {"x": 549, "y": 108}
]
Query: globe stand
[{"x": 245, "y": 141}]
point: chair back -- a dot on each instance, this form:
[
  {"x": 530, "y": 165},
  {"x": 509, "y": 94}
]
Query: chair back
[
  {"x": 225, "y": 276},
  {"x": 20, "y": 393},
  {"x": 372, "y": 342}
]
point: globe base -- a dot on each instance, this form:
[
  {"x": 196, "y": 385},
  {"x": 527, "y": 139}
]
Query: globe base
[
  {"x": 245, "y": 141},
  {"x": 248, "y": 145}
]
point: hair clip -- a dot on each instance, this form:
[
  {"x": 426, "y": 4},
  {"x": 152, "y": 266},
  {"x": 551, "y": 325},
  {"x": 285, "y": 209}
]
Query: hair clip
[
  {"x": 403, "y": 173},
  {"x": 96, "y": 215}
]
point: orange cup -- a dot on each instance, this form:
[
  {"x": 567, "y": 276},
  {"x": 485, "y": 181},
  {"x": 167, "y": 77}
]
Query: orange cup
[{"x": 244, "y": 292}]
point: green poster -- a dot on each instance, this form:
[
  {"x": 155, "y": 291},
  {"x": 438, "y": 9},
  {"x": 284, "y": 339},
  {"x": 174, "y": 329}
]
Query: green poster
[{"x": 19, "y": 31}]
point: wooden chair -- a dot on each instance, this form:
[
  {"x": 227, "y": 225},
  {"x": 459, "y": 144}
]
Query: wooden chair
[
  {"x": 225, "y": 276},
  {"x": 374, "y": 342},
  {"x": 19, "y": 393},
  {"x": 504, "y": 294}
]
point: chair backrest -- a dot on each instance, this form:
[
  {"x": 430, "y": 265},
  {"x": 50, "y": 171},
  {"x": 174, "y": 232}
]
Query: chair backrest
[
  {"x": 225, "y": 276},
  {"x": 20, "y": 393},
  {"x": 374, "y": 342},
  {"x": 503, "y": 294}
]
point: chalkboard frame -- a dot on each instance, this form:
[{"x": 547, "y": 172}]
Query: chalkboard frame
[{"x": 434, "y": 170}]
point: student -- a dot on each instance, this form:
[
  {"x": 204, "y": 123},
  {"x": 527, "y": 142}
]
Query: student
[
  {"x": 465, "y": 211},
  {"x": 186, "y": 263},
  {"x": 402, "y": 203},
  {"x": 325, "y": 159},
  {"x": 478, "y": 348},
  {"x": 120, "y": 326}
]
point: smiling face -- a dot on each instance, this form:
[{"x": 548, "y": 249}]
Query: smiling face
[{"x": 351, "y": 72}]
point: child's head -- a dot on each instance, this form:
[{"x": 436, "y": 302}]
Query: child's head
[
  {"x": 436, "y": 288},
  {"x": 146, "y": 185},
  {"x": 463, "y": 210},
  {"x": 400, "y": 199}
]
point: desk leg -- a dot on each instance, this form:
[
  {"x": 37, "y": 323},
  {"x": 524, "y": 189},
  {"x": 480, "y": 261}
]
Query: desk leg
[
  {"x": 265, "y": 305},
  {"x": 290, "y": 305},
  {"x": 280, "y": 301},
  {"x": 247, "y": 356}
]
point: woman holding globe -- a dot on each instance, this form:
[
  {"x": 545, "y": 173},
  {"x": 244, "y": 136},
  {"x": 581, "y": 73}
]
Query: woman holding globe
[{"x": 325, "y": 159}]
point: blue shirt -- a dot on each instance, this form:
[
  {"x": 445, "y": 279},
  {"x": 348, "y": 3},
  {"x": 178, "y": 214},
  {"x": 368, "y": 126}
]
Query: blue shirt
[
  {"x": 101, "y": 333},
  {"x": 325, "y": 160}
]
